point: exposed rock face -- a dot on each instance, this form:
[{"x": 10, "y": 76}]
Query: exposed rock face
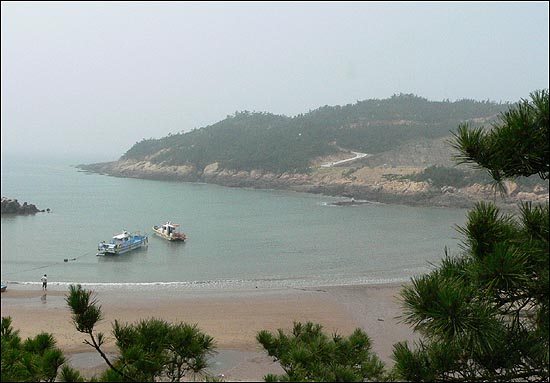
[{"x": 12, "y": 206}]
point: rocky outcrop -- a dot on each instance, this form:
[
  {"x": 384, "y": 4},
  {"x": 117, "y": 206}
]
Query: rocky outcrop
[
  {"x": 142, "y": 169},
  {"x": 12, "y": 206}
]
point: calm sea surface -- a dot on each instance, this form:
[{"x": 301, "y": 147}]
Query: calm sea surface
[{"x": 236, "y": 237}]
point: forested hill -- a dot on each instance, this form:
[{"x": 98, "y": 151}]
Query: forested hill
[{"x": 264, "y": 141}]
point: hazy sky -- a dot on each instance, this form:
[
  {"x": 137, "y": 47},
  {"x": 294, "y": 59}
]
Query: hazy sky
[{"x": 93, "y": 78}]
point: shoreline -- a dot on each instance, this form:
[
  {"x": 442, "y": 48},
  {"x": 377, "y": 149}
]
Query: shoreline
[
  {"x": 213, "y": 284},
  {"x": 232, "y": 316},
  {"x": 374, "y": 191}
]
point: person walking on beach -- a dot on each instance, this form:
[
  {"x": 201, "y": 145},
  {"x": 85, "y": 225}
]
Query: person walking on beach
[{"x": 44, "y": 280}]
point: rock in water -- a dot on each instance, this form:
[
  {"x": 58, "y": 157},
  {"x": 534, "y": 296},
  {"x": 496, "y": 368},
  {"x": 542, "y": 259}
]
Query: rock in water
[{"x": 12, "y": 206}]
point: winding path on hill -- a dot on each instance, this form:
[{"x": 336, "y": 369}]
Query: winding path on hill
[{"x": 357, "y": 156}]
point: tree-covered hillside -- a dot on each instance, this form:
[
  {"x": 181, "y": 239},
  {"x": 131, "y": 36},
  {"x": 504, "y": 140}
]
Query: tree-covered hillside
[{"x": 259, "y": 140}]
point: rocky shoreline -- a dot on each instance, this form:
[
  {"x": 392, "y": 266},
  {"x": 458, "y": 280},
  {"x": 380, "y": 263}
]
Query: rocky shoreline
[
  {"x": 12, "y": 206},
  {"x": 364, "y": 183}
]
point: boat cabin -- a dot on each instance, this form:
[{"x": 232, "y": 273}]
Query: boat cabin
[
  {"x": 169, "y": 228},
  {"x": 125, "y": 236}
]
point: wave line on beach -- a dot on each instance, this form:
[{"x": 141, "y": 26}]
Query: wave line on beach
[{"x": 220, "y": 284}]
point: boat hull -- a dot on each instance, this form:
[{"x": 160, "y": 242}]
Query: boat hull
[
  {"x": 112, "y": 249},
  {"x": 175, "y": 237}
]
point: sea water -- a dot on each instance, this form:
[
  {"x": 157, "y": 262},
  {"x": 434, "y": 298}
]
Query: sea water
[{"x": 236, "y": 237}]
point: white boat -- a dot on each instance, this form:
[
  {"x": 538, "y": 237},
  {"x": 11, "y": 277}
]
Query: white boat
[
  {"x": 169, "y": 231},
  {"x": 122, "y": 243}
]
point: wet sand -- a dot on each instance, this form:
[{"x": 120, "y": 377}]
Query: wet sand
[{"x": 232, "y": 316}]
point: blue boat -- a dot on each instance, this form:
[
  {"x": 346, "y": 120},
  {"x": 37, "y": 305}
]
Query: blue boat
[
  {"x": 3, "y": 287},
  {"x": 122, "y": 243}
]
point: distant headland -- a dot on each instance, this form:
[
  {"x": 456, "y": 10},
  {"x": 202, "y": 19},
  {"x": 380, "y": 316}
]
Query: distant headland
[{"x": 394, "y": 150}]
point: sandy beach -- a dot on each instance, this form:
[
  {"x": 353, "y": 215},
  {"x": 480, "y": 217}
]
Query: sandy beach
[{"x": 232, "y": 317}]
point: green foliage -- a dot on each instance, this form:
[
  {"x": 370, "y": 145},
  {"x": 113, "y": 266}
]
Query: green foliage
[
  {"x": 517, "y": 144},
  {"x": 69, "y": 374},
  {"x": 33, "y": 360},
  {"x": 440, "y": 176},
  {"x": 307, "y": 354},
  {"x": 149, "y": 350},
  {"x": 251, "y": 140},
  {"x": 155, "y": 348},
  {"x": 486, "y": 227},
  {"x": 86, "y": 313},
  {"x": 489, "y": 308},
  {"x": 484, "y": 315}
]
